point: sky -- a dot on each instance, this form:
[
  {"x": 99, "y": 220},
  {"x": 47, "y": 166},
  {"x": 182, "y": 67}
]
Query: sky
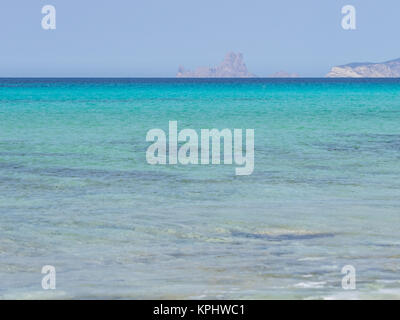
[{"x": 152, "y": 38}]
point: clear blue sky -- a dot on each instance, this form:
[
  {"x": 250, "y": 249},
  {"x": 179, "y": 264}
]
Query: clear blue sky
[{"x": 153, "y": 37}]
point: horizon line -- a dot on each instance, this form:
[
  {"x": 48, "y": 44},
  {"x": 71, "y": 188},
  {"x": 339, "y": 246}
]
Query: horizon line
[{"x": 194, "y": 78}]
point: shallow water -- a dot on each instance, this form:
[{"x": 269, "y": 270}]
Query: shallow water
[{"x": 77, "y": 193}]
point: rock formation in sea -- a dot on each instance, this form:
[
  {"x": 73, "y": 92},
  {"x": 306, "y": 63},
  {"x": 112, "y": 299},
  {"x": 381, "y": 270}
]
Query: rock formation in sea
[
  {"x": 233, "y": 66},
  {"x": 389, "y": 69},
  {"x": 284, "y": 74}
]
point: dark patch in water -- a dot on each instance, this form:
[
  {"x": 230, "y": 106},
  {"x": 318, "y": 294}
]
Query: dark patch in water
[
  {"x": 364, "y": 143},
  {"x": 316, "y": 167},
  {"x": 385, "y": 245},
  {"x": 84, "y": 173},
  {"x": 280, "y": 253},
  {"x": 281, "y": 237},
  {"x": 39, "y": 154},
  {"x": 369, "y": 135}
]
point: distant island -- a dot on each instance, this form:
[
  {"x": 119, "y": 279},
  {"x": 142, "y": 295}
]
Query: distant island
[
  {"x": 389, "y": 69},
  {"x": 232, "y": 66},
  {"x": 284, "y": 74}
]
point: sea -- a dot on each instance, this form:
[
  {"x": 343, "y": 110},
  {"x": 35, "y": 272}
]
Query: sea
[{"x": 77, "y": 194}]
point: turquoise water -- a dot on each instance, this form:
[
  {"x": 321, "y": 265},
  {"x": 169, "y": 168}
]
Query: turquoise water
[{"x": 77, "y": 193}]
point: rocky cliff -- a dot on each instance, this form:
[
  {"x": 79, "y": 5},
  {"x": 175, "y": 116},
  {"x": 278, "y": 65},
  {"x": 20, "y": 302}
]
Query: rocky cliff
[
  {"x": 233, "y": 66},
  {"x": 389, "y": 69}
]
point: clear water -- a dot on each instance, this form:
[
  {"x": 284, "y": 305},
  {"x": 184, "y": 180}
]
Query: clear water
[{"x": 76, "y": 191}]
